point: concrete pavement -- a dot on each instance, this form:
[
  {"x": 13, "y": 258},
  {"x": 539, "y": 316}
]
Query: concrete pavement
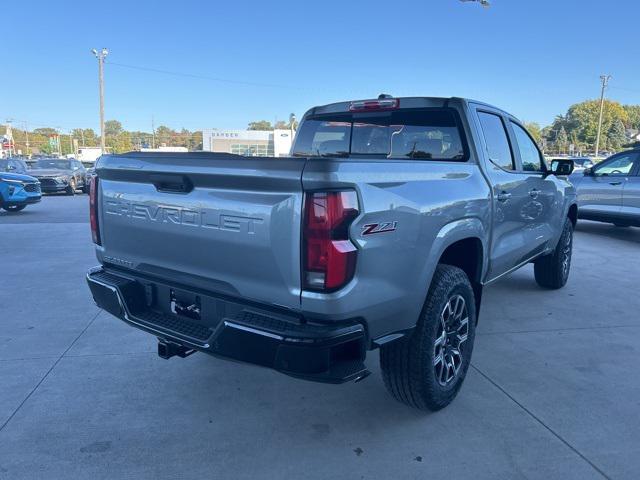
[{"x": 552, "y": 393}]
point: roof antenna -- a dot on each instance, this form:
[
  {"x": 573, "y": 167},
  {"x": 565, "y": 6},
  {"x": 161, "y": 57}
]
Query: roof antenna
[{"x": 382, "y": 96}]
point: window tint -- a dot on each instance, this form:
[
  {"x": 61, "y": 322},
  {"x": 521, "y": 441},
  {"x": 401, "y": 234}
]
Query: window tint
[
  {"x": 414, "y": 134},
  {"x": 496, "y": 139},
  {"x": 322, "y": 138},
  {"x": 621, "y": 165},
  {"x": 53, "y": 163},
  {"x": 528, "y": 151}
]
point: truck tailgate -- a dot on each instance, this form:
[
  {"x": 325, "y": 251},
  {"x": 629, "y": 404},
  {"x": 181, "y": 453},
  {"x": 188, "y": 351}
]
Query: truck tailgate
[{"x": 219, "y": 222}]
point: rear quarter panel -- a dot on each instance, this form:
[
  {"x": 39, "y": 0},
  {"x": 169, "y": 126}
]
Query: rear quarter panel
[{"x": 433, "y": 204}]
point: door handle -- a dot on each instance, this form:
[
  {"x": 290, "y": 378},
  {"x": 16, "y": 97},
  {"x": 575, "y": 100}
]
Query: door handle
[
  {"x": 615, "y": 183},
  {"x": 534, "y": 192},
  {"x": 504, "y": 196}
]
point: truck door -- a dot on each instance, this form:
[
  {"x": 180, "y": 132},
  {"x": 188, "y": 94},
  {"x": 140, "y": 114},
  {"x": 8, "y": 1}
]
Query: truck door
[
  {"x": 514, "y": 209},
  {"x": 600, "y": 193},
  {"x": 543, "y": 210},
  {"x": 631, "y": 196}
]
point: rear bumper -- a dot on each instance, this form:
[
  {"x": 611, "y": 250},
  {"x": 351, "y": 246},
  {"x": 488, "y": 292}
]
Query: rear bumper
[{"x": 230, "y": 329}]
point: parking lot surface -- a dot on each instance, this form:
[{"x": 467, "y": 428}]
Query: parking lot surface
[{"x": 553, "y": 391}]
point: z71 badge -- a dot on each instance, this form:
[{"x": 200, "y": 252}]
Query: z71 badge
[{"x": 371, "y": 228}]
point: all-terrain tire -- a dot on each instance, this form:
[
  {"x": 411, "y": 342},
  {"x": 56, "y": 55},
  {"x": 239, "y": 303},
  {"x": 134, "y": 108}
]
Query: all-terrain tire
[
  {"x": 552, "y": 270},
  {"x": 409, "y": 364}
]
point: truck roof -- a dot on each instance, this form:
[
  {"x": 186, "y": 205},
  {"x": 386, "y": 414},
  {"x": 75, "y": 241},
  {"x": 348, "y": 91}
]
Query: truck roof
[{"x": 405, "y": 102}]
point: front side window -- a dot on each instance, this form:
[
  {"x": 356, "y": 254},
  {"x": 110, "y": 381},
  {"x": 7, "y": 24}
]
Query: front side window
[
  {"x": 529, "y": 154},
  {"x": 432, "y": 134},
  {"x": 620, "y": 166},
  {"x": 495, "y": 136}
]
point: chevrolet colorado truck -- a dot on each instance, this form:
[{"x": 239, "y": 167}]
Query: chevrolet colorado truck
[{"x": 380, "y": 230}]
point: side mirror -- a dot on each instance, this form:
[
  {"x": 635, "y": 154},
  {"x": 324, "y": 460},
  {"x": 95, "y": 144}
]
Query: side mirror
[
  {"x": 588, "y": 172},
  {"x": 562, "y": 167}
]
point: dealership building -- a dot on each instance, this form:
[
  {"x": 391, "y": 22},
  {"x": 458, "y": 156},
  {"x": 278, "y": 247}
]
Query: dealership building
[{"x": 253, "y": 143}]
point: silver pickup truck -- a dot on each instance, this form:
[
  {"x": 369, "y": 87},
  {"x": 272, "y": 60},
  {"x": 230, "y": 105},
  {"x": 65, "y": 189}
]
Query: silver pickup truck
[{"x": 379, "y": 231}]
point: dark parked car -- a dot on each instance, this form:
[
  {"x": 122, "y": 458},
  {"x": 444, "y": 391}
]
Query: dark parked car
[
  {"x": 13, "y": 165},
  {"x": 60, "y": 175},
  {"x": 610, "y": 191}
]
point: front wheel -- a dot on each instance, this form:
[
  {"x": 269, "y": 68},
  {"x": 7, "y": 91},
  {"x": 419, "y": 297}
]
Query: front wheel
[
  {"x": 552, "y": 270},
  {"x": 426, "y": 369},
  {"x": 14, "y": 208}
]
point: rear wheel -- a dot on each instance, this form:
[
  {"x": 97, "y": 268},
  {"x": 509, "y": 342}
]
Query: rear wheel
[
  {"x": 552, "y": 271},
  {"x": 71, "y": 189},
  {"x": 14, "y": 208},
  {"x": 426, "y": 369}
]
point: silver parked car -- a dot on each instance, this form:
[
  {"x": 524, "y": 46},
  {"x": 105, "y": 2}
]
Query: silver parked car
[{"x": 610, "y": 191}]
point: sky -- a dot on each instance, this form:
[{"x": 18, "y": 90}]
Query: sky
[{"x": 239, "y": 61}]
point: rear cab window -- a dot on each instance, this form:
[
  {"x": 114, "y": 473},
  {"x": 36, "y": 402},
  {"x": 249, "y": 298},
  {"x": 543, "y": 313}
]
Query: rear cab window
[{"x": 422, "y": 134}]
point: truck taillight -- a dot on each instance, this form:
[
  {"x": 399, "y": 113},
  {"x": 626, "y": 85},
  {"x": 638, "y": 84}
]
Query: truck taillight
[
  {"x": 329, "y": 256},
  {"x": 93, "y": 210}
]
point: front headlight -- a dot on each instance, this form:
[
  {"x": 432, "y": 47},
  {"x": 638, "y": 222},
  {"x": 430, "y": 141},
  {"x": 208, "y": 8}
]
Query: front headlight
[{"x": 62, "y": 179}]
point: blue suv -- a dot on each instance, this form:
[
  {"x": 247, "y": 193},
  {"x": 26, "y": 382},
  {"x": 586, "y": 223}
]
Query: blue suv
[{"x": 17, "y": 191}]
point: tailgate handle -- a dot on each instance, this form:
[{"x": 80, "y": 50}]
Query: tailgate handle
[{"x": 171, "y": 183}]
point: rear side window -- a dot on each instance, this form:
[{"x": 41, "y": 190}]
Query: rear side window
[
  {"x": 432, "y": 134},
  {"x": 531, "y": 161},
  {"x": 495, "y": 136}
]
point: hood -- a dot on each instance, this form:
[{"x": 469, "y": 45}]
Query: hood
[
  {"x": 49, "y": 172},
  {"x": 17, "y": 176}
]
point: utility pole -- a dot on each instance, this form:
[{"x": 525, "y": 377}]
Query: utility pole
[
  {"x": 26, "y": 133},
  {"x": 101, "y": 56},
  {"x": 153, "y": 130},
  {"x": 605, "y": 81}
]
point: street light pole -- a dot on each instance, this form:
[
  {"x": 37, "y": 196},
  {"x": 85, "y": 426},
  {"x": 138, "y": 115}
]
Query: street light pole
[
  {"x": 605, "y": 80},
  {"x": 101, "y": 56}
]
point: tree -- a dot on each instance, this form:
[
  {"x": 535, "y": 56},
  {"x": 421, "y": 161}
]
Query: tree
[
  {"x": 562, "y": 139},
  {"x": 616, "y": 136},
  {"x": 85, "y": 136},
  {"x": 583, "y": 119},
  {"x": 45, "y": 131},
  {"x": 534, "y": 130},
  {"x": 260, "y": 125},
  {"x": 166, "y": 136},
  {"x": 633, "y": 115},
  {"x": 112, "y": 128}
]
